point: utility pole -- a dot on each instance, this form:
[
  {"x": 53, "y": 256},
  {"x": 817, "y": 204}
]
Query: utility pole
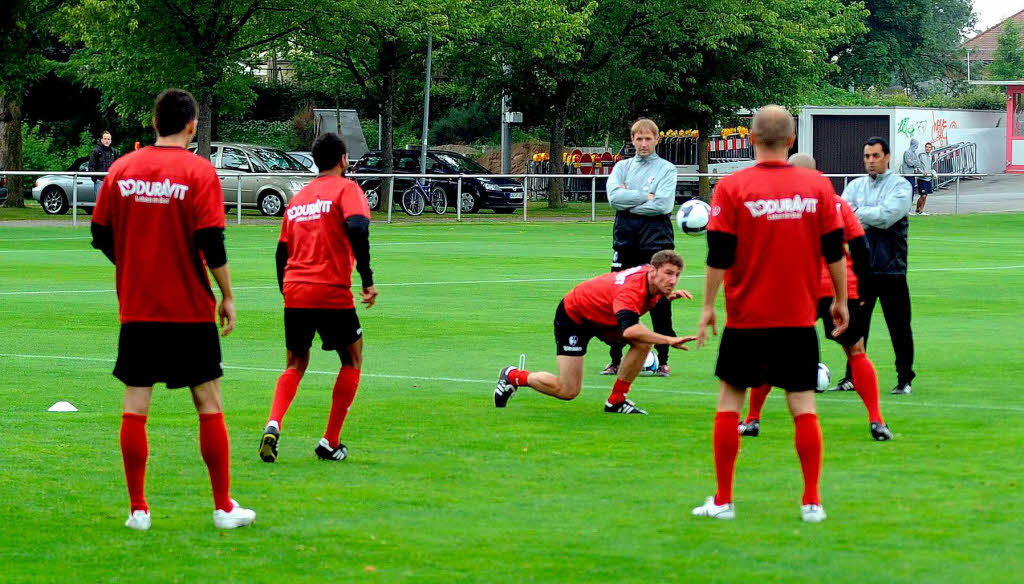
[
  {"x": 426, "y": 106},
  {"x": 506, "y": 130}
]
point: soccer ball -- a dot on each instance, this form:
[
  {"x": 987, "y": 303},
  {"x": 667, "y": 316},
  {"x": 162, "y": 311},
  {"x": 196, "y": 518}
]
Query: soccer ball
[
  {"x": 824, "y": 377},
  {"x": 693, "y": 216},
  {"x": 650, "y": 364}
]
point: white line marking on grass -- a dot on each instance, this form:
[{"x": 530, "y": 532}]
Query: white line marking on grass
[
  {"x": 487, "y": 382},
  {"x": 973, "y": 269},
  {"x": 44, "y": 238}
]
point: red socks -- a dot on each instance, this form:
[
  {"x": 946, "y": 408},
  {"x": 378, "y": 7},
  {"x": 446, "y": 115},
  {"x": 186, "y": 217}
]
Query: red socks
[
  {"x": 134, "y": 452},
  {"x": 518, "y": 377},
  {"x": 758, "y": 395},
  {"x": 287, "y": 385},
  {"x": 865, "y": 381},
  {"x": 808, "y": 448},
  {"x": 727, "y": 446},
  {"x": 344, "y": 394},
  {"x": 619, "y": 390},
  {"x": 216, "y": 451}
]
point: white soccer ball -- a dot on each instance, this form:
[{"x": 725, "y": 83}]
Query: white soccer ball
[
  {"x": 650, "y": 364},
  {"x": 693, "y": 216},
  {"x": 824, "y": 377}
]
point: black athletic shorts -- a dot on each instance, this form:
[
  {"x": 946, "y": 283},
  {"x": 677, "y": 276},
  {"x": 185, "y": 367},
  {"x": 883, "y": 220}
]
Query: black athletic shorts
[
  {"x": 782, "y": 357},
  {"x": 572, "y": 338},
  {"x": 337, "y": 327},
  {"x": 854, "y": 332},
  {"x": 175, "y": 353}
]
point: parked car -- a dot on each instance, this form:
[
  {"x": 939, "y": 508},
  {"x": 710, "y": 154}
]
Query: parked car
[
  {"x": 502, "y": 195},
  {"x": 306, "y": 159},
  {"x": 55, "y": 192},
  {"x": 269, "y": 194}
]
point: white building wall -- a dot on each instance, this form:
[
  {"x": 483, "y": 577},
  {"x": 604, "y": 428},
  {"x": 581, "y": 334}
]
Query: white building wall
[{"x": 934, "y": 125}]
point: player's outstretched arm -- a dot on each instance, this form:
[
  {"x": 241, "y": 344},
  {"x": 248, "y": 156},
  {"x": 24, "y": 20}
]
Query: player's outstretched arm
[
  {"x": 638, "y": 333},
  {"x": 680, "y": 293}
]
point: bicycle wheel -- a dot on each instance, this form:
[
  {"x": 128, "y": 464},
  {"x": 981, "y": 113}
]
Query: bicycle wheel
[
  {"x": 412, "y": 202},
  {"x": 438, "y": 200}
]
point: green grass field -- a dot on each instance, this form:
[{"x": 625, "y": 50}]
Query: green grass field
[{"x": 442, "y": 487}]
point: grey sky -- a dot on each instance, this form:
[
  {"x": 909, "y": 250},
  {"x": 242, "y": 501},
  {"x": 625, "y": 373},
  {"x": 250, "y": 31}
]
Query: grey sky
[{"x": 992, "y": 12}]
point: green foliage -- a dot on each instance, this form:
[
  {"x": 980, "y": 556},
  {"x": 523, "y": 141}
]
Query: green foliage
[
  {"x": 1008, "y": 61},
  {"x": 464, "y": 124},
  {"x": 983, "y": 98},
  {"x": 23, "y": 38},
  {"x": 278, "y": 134},
  {"x": 41, "y": 152}
]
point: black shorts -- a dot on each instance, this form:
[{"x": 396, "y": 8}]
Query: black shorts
[
  {"x": 572, "y": 338},
  {"x": 925, "y": 187},
  {"x": 854, "y": 332},
  {"x": 338, "y": 328},
  {"x": 174, "y": 353},
  {"x": 782, "y": 357}
]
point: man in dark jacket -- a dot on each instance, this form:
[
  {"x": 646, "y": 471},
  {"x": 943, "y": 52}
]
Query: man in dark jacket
[
  {"x": 100, "y": 159},
  {"x": 881, "y": 201}
]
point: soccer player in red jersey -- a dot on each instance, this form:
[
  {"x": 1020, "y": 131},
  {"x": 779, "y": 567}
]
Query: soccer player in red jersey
[
  {"x": 858, "y": 262},
  {"x": 326, "y": 229},
  {"x": 160, "y": 220},
  {"x": 608, "y": 307},
  {"x": 770, "y": 226}
]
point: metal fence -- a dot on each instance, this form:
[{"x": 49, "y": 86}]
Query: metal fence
[
  {"x": 539, "y": 193},
  {"x": 955, "y": 160}
]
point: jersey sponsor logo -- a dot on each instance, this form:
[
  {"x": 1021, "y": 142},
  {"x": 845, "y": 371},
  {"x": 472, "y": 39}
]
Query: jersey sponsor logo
[
  {"x": 620, "y": 279},
  {"x": 146, "y": 191},
  {"x": 309, "y": 211},
  {"x": 716, "y": 210},
  {"x": 567, "y": 348},
  {"x": 789, "y": 208}
]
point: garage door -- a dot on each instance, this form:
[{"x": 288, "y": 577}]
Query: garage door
[{"x": 839, "y": 143}]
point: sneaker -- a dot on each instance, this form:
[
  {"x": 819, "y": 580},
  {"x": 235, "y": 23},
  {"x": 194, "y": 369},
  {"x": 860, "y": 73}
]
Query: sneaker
[
  {"x": 504, "y": 390},
  {"x": 880, "y": 431},
  {"x": 663, "y": 371},
  {"x": 845, "y": 384},
  {"x": 623, "y": 407},
  {"x": 237, "y": 517},
  {"x": 709, "y": 509},
  {"x": 325, "y": 452},
  {"x": 751, "y": 428},
  {"x": 812, "y": 513},
  {"x": 901, "y": 389},
  {"x": 139, "y": 520},
  {"x": 610, "y": 369},
  {"x": 923, "y": 213},
  {"x": 268, "y": 445}
]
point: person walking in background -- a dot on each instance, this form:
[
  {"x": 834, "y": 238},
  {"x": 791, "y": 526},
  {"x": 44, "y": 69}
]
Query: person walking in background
[
  {"x": 100, "y": 159},
  {"x": 926, "y": 185}
]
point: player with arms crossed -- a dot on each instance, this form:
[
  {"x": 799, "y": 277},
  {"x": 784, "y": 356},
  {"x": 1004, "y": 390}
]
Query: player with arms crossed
[
  {"x": 858, "y": 270},
  {"x": 770, "y": 226},
  {"x": 325, "y": 231},
  {"x": 608, "y": 307},
  {"x": 160, "y": 220}
]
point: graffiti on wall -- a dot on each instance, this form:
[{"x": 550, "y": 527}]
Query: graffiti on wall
[{"x": 923, "y": 131}]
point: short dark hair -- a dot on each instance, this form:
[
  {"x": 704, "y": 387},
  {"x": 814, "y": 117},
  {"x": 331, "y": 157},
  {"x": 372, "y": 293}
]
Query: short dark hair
[
  {"x": 106, "y": 132},
  {"x": 174, "y": 109},
  {"x": 667, "y": 256},
  {"x": 327, "y": 151},
  {"x": 875, "y": 140}
]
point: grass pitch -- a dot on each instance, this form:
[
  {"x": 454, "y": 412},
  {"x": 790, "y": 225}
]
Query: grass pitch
[{"x": 442, "y": 487}]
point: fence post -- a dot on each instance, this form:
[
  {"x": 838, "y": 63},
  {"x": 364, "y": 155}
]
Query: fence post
[
  {"x": 593, "y": 198},
  {"x": 458, "y": 199},
  {"x": 74, "y": 200},
  {"x": 238, "y": 199},
  {"x": 525, "y": 198},
  {"x": 391, "y": 197},
  {"x": 845, "y": 179},
  {"x": 956, "y": 200}
]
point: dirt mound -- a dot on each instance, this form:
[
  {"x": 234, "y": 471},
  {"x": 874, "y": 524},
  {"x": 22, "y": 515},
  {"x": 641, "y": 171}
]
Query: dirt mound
[{"x": 522, "y": 154}]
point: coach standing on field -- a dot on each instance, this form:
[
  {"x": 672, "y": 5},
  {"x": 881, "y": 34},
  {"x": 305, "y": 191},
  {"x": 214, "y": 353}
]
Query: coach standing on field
[
  {"x": 642, "y": 190},
  {"x": 881, "y": 201}
]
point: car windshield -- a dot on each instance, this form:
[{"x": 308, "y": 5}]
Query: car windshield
[
  {"x": 277, "y": 160},
  {"x": 461, "y": 164}
]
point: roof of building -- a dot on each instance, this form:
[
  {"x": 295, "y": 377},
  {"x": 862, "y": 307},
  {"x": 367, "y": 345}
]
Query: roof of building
[{"x": 983, "y": 46}]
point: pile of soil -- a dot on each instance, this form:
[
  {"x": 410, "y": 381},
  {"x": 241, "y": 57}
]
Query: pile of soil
[{"x": 522, "y": 154}]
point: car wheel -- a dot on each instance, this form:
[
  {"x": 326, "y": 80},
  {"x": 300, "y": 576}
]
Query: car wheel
[
  {"x": 54, "y": 201},
  {"x": 470, "y": 203},
  {"x": 271, "y": 204},
  {"x": 373, "y": 199},
  {"x": 505, "y": 211}
]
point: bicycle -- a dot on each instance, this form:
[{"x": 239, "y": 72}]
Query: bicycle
[{"x": 415, "y": 198}]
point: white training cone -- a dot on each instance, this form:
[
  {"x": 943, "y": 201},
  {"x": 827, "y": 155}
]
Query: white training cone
[{"x": 62, "y": 406}]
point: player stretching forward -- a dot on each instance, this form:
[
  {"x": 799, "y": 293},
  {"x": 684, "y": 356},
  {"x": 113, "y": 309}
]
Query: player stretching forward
[
  {"x": 852, "y": 341},
  {"x": 770, "y": 226},
  {"x": 608, "y": 307},
  {"x": 326, "y": 227},
  {"x": 160, "y": 220}
]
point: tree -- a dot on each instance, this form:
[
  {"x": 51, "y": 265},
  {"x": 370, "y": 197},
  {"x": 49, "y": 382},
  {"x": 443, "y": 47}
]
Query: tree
[
  {"x": 133, "y": 49},
  {"x": 1008, "y": 60}
]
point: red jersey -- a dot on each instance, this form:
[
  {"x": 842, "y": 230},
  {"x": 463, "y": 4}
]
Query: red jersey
[
  {"x": 320, "y": 259},
  {"x": 852, "y": 229},
  {"x": 598, "y": 299},
  {"x": 154, "y": 200},
  {"x": 778, "y": 214}
]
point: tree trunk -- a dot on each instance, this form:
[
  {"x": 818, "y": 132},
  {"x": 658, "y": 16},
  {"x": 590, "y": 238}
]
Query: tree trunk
[
  {"x": 389, "y": 66},
  {"x": 704, "y": 183},
  {"x": 204, "y": 133},
  {"x": 556, "y": 188},
  {"x": 10, "y": 148}
]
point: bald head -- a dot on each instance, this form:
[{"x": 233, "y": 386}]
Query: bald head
[
  {"x": 804, "y": 160},
  {"x": 772, "y": 128}
]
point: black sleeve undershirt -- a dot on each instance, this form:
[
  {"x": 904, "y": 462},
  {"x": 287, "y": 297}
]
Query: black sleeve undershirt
[
  {"x": 721, "y": 249},
  {"x": 357, "y": 228},
  {"x": 210, "y": 240},
  {"x": 103, "y": 240},
  {"x": 626, "y": 318},
  {"x": 282, "y": 260},
  {"x": 832, "y": 246},
  {"x": 860, "y": 257}
]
